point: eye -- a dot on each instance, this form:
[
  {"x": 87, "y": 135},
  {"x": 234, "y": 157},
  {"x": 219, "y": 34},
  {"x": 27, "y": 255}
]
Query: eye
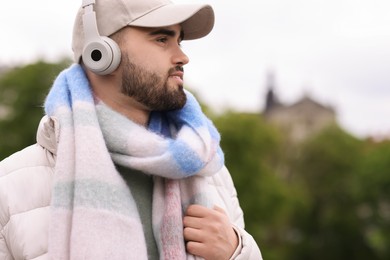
[{"x": 162, "y": 39}]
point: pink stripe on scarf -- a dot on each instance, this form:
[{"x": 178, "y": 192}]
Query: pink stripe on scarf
[{"x": 172, "y": 224}]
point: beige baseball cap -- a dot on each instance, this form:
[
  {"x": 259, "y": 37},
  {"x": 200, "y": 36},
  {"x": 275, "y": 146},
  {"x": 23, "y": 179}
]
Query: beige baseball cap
[{"x": 197, "y": 20}]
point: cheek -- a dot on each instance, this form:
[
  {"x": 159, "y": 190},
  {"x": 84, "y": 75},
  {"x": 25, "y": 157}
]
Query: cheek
[
  {"x": 152, "y": 63},
  {"x": 137, "y": 55},
  {"x": 148, "y": 57}
]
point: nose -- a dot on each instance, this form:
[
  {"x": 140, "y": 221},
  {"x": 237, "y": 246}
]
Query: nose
[{"x": 180, "y": 57}]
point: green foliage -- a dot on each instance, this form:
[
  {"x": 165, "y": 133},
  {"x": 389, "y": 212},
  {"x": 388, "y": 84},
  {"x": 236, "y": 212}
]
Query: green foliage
[
  {"x": 373, "y": 197},
  {"x": 249, "y": 145},
  {"x": 329, "y": 227},
  {"x": 326, "y": 198},
  {"x": 22, "y": 93}
]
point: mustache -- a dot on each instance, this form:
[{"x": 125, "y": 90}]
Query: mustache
[{"x": 177, "y": 68}]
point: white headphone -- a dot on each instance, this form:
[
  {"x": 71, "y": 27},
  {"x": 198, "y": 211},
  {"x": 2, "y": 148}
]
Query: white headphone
[{"x": 100, "y": 54}]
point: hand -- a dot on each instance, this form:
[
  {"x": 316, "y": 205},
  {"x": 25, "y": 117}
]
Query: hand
[{"x": 209, "y": 233}]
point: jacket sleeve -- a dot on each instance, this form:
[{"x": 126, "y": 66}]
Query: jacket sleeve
[
  {"x": 247, "y": 248},
  {"x": 25, "y": 187},
  {"x": 4, "y": 218},
  {"x": 4, "y": 253}
]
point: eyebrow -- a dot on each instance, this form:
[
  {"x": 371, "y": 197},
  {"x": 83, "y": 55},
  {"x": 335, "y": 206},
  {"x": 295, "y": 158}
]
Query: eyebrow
[{"x": 168, "y": 32}]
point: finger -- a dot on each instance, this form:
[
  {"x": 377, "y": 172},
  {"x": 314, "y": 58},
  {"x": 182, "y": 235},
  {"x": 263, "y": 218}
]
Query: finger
[
  {"x": 192, "y": 222},
  {"x": 195, "y": 210},
  {"x": 195, "y": 248},
  {"x": 192, "y": 234}
]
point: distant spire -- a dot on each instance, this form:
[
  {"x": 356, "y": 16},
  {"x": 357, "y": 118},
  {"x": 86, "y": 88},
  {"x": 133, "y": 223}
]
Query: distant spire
[
  {"x": 270, "y": 99},
  {"x": 270, "y": 80}
]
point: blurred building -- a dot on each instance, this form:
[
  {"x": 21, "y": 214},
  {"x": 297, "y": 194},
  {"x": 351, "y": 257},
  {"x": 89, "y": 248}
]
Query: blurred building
[{"x": 300, "y": 119}]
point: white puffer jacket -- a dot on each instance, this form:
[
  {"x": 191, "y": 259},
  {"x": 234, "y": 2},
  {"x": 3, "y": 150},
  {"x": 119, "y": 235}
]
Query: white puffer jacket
[{"x": 25, "y": 192}]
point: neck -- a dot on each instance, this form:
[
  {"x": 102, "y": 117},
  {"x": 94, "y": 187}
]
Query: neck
[{"x": 108, "y": 90}]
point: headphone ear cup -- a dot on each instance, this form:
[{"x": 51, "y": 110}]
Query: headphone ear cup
[{"x": 102, "y": 57}]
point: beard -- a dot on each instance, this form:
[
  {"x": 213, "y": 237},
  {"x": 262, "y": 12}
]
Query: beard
[{"x": 151, "y": 89}]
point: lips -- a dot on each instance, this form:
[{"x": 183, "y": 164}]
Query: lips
[{"x": 177, "y": 76}]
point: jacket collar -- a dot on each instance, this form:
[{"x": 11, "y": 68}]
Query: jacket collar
[{"x": 48, "y": 133}]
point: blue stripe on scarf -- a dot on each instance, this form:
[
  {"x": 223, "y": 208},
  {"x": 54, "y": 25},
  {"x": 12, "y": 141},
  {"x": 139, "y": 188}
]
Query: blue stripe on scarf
[
  {"x": 187, "y": 160},
  {"x": 60, "y": 95},
  {"x": 191, "y": 114},
  {"x": 221, "y": 156}
]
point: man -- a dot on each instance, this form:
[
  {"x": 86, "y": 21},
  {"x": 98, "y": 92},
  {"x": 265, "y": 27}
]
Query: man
[{"x": 126, "y": 166}]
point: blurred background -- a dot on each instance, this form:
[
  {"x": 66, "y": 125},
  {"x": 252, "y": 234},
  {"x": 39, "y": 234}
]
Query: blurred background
[{"x": 300, "y": 91}]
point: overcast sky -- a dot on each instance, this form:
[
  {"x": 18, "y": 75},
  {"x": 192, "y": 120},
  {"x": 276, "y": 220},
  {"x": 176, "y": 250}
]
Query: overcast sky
[{"x": 336, "y": 51}]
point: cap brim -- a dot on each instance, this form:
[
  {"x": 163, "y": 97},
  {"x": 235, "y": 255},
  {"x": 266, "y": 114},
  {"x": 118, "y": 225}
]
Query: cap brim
[{"x": 197, "y": 20}]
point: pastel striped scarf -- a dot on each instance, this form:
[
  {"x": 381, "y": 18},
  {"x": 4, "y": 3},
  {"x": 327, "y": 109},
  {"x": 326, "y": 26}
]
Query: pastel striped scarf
[{"x": 93, "y": 214}]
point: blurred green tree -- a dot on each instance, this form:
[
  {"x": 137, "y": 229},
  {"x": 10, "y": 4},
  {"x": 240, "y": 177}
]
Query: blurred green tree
[
  {"x": 22, "y": 93},
  {"x": 374, "y": 197},
  {"x": 329, "y": 228},
  {"x": 251, "y": 148}
]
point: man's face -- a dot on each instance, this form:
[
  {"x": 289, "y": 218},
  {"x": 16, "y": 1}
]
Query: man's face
[{"x": 152, "y": 67}]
